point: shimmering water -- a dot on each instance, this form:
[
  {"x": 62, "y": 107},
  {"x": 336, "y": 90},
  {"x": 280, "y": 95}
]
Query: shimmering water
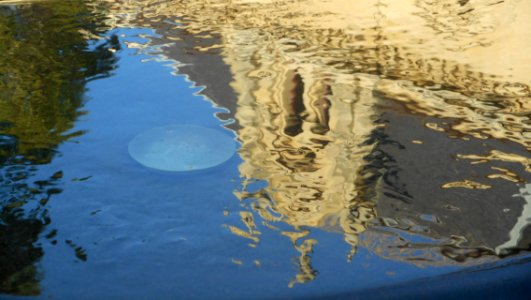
[{"x": 383, "y": 146}]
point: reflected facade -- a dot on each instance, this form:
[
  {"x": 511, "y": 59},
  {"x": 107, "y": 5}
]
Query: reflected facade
[{"x": 362, "y": 122}]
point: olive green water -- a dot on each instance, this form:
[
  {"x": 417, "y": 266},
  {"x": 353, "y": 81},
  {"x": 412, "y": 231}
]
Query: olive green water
[{"x": 378, "y": 143}]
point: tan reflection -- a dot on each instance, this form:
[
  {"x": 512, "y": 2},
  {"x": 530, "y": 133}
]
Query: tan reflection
[
  {"x": 506, "y": 174},
  {"x": 496, "y": 155},
  {"x": 311, "y": 76},
  {"x": 292, "y": 137},
  {"x": 467, "y": 184},
  {"x": 470, "y": 57},
  {"x": 306, "y": 149}
]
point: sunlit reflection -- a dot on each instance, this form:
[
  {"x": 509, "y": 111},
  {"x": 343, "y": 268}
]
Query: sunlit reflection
[
  {"x": 313, "y": 83},
  {"x": 324, "y": 97}
]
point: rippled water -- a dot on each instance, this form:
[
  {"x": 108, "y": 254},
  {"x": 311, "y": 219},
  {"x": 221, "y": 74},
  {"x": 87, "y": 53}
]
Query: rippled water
[{"x": 380, "y": 142}]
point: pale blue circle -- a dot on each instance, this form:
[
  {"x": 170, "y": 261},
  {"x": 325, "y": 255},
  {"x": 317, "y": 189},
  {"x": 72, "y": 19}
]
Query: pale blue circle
[{"x": 181, "y": 148}]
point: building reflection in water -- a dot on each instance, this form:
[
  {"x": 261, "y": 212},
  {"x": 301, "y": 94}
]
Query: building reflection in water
[
  {"x": 44, "y": 66},
  {"x": 394, "y": 124}
]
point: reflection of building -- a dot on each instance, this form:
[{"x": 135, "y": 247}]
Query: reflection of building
[
  {"x": 305, "y": 148},
  {"x": 319, "y": 163},
  {"x": 328, "y": 98},
  {"x": 43, "y": 72}
]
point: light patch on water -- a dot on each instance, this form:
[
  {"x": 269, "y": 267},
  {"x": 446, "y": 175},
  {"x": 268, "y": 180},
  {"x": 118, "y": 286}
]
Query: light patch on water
[
  {"x": 523, "y": 221},
  {"x": 181, "y": 148}
]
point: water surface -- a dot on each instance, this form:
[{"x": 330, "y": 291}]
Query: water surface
[{"x": 379, "y": 144}]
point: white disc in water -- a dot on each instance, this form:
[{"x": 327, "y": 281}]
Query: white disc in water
[{"x": 181, "y": 148}]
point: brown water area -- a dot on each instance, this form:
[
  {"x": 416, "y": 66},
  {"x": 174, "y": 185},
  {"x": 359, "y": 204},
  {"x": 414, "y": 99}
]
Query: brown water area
[{"x": 404, "y": 126}]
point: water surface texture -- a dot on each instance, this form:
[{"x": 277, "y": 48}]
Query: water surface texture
[{"x": 382, "y": 146}]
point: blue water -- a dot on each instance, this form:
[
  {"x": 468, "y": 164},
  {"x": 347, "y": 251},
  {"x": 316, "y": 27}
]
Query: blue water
[
  {"x": 150, "y": 234},
  {"x": 146, "y": 231}
]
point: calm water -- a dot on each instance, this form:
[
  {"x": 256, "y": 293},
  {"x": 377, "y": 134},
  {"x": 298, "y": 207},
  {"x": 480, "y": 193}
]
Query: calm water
[{"x": 383, "y": 149}]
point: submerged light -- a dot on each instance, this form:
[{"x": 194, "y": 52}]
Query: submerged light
[{"x": 181, "y": 148}]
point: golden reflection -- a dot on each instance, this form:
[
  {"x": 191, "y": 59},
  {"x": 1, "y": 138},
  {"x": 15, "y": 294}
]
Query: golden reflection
[
  {"x": 251, "y": 233},
  {"x": 310, "y": 160},
  {"x": 467, "y": 184},
  {"x": 506, "y": 174},
  {"x": 499, "y": 156},
  {"x": 312, "y": 80}
]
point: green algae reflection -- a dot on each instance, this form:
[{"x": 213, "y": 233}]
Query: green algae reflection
[{"x": 45, "y": 62}]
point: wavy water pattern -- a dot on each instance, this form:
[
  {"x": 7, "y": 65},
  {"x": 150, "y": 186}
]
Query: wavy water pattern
[{"x": 385, "y": 121}]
